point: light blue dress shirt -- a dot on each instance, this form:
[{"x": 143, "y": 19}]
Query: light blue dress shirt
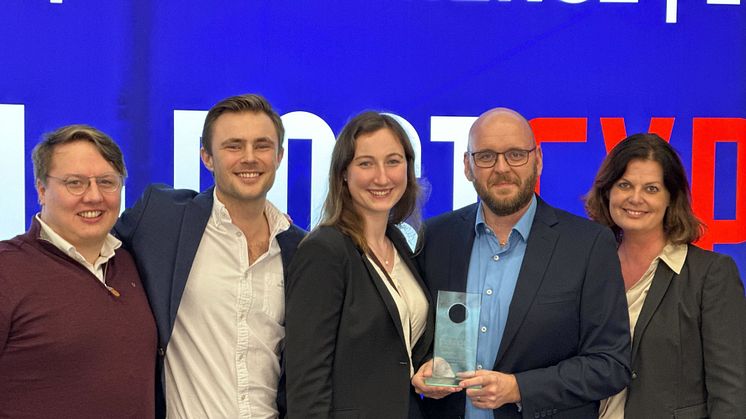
[{"x": 493, "y": 273}]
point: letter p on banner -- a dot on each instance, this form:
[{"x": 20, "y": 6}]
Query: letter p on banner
[{"x": 706, "y": 132}]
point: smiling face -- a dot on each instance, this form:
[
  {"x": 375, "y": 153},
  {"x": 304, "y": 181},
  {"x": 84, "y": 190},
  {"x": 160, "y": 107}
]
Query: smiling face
[
  {"x": 82, "y": 220},
  {"x": 245, "y": 157},
  {"x": 504, "y": 189},
  {"x": 377, "y": 175},
  {"x": 639, "y": 199}
]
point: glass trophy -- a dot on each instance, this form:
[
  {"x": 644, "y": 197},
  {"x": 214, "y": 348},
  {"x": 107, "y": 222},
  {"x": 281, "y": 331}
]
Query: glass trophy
[{"x": 456, "y": 334}]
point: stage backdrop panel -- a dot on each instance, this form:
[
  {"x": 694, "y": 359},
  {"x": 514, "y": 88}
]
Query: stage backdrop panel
[{"x": 585, "y": 72}]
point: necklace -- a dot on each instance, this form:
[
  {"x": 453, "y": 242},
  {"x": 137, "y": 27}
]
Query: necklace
[
  {"x": 390, "y": 246},
  {"x": 383, "y": 268},
  {"x": 387, "y": 255}
]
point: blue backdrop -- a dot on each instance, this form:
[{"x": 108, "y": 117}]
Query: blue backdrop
[{"x": 584, "y": 71}]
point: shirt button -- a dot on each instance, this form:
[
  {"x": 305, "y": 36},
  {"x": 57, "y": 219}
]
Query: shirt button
[
  {"x": 243, "y": 397},
  {"x": 483, "y": 329},
  {"x": 496, "y": 258},
  {"x": 489, "y": 292},
  {"x": 479, "y": 366}
]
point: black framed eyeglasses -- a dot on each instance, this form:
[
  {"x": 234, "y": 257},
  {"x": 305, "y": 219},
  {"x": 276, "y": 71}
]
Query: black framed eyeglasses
[
  {"x": 514, "y": 157},
  {"x": 77, "y": 185}
]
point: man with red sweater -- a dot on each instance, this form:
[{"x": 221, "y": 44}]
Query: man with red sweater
[{"x": 77, "y": 338}]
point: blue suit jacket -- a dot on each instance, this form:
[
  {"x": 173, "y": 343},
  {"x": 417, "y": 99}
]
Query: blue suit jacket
[
  {"x": 567, "y": 336},
  {"x": 163, "y": 231}
]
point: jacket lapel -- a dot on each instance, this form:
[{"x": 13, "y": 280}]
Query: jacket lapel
[
  {"x": 193, "y": 223},
  {"x": 658, "y": 288},
  {"x": 459, "y": 247},
  {"x": 388, "y": 300},
  {"x": 541, "y": 242},
  {"x": 423, "y": 344}
]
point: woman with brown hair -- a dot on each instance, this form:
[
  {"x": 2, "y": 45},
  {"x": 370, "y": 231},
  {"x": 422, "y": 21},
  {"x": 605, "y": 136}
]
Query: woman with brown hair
[
  {"x": 357, "y": 312},
  {"x": 686, "y": 305}
]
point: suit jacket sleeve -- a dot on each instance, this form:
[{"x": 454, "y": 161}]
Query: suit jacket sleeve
[
  {"x": 126, "y": 226},
  {"x": 723, "y": 340},
  {"x": 315, "y": 295},
  {"x": 601, "y": 366}
]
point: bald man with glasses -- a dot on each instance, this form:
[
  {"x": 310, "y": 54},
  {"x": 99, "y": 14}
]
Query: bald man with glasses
[{"x": 553, "y": 335}]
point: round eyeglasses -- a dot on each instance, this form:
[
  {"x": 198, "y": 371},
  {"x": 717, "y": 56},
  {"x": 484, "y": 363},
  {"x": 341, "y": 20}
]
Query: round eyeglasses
[
  {"x": 514, "y": 157},
  {"x": 77, "y": 185}
]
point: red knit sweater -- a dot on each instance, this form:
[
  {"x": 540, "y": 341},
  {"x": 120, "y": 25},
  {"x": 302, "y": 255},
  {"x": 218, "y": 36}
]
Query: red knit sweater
[{"x": 68, "y": 347}]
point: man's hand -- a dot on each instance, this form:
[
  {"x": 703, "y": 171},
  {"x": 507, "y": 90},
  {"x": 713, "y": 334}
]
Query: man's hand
[
  {"x": 433, "y": 392},
  {"x": 496, "y": 389}
]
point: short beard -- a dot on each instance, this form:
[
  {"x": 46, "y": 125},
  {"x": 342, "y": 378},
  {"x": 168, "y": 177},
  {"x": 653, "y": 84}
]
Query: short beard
[{"x": 505, "y": 207}]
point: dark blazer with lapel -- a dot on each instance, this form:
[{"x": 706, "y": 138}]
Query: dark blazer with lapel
[
  {"x": 345, "y": 354},
  {"x": 163, "y": 231},
  {"x": 567, "y": 333},
  {"x": 689, "y": 347}
]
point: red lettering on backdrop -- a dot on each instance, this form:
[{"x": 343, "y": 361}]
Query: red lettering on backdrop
[
  {"x": 614, "y": 131},
  {"x": 559, "y": 130},
  {"x": 705, "y": 133}
]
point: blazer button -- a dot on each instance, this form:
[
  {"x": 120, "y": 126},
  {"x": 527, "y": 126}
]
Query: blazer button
[
  {"x": 634, "y": 375},
  {"x": 161, "y": 352},
  {"x": 536, "y": 415}
]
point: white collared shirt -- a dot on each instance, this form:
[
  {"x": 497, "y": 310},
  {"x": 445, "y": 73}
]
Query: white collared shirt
[
  {"x": 110, "y": 244},
  {"x": 223, "y": 358}
]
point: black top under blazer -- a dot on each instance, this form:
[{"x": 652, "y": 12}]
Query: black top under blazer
[
  {"x": 345, "y": 353},
  {"x": 689, "y": 347}
]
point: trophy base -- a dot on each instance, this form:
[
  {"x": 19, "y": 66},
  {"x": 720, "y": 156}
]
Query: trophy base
[{"x": 443, "y": 381}]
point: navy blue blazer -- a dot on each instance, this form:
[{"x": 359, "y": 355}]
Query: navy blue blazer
[
  {"x": 163, "y": 231},
  {"x": 567, "y": 336}
]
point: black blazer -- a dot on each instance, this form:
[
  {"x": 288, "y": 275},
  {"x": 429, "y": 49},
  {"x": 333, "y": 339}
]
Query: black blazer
[
  {"x": 345, "y": 354},
  {"x": 689, "y": 348},
  {"x": 567, "y": 334}
]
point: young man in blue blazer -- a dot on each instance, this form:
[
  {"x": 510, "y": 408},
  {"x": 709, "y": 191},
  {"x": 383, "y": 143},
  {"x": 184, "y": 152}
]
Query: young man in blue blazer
[{"x": 213, "y": 266}]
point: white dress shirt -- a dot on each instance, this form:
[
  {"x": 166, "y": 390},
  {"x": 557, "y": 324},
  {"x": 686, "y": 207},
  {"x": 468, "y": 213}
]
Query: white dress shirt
[{"x": 223, "y": 358}]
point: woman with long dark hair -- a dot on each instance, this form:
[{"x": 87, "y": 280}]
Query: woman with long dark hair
[{"x": 357, "y": 313}]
